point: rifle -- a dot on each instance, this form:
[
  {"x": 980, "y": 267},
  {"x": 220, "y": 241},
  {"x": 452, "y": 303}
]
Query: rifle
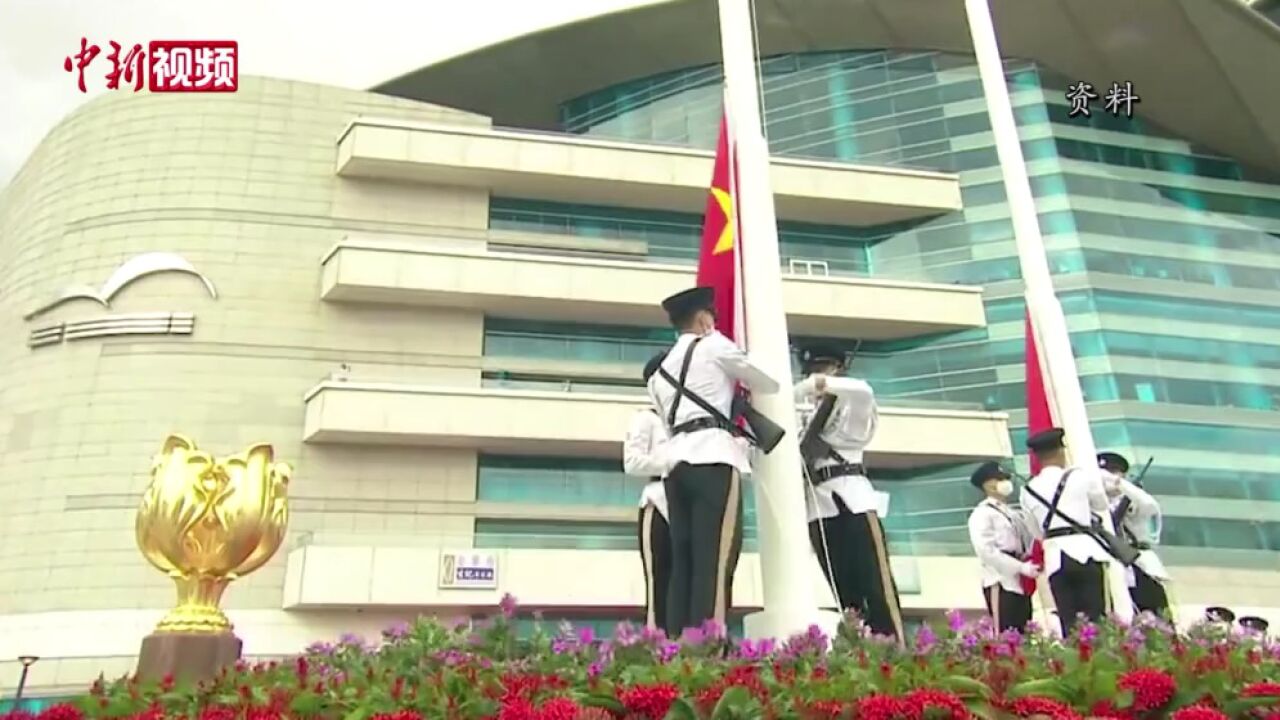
[
  {"x": 1122, "y": 508},
  {"x": 812, "y": 447}
]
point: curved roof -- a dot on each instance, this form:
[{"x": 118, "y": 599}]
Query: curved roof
[{"x": 1203, "y": 68}]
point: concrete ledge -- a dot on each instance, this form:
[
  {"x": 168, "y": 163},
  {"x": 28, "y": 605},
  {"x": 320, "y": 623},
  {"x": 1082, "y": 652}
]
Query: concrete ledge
[
  {"x": 578, "y": 289},
  {"x": 569, "y": 168},
  {"x": 592, "y": 425}
]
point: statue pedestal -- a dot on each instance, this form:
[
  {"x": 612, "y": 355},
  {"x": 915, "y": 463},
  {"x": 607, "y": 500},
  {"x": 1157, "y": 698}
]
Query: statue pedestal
[{"x": 187, "y": 657}]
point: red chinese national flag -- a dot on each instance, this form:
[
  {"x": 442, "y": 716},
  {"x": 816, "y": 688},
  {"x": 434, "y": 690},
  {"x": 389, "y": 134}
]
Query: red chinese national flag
[
  {"x": 718, "y": 259},
  {"x": 1039, "y": 418}
]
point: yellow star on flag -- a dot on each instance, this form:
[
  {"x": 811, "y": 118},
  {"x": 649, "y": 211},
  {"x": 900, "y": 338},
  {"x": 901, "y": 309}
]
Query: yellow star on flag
[{"x": 725, "y": 200}]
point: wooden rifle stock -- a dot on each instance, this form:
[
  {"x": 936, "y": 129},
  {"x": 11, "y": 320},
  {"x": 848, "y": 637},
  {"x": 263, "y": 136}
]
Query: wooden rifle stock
[{"x": 812, "y": 447}]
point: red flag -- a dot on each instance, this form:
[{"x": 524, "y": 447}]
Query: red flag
[
  {"x": 718, "y": 256},
  {"x": 1039, "y": 419}
]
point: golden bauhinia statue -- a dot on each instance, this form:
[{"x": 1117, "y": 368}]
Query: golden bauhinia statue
[{"x": 206, "y": 521}]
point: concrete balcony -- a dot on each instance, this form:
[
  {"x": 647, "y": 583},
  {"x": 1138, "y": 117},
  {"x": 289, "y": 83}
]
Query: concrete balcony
[
  {"x": 578, "y": 289},
  {"x": 592, "y": 425},
  {"x": 569, "y": 168}
]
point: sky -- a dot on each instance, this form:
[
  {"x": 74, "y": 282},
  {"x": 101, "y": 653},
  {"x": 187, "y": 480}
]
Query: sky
[{"x": 347, "y": 43}]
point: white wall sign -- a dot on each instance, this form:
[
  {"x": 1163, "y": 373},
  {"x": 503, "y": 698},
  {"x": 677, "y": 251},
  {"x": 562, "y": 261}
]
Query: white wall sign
[{"x": 468, "y": 570}]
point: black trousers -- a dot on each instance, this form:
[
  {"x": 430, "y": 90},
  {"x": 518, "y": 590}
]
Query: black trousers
[
  {"x": 1079, "y": 589},
  {"x": 705, "y": 507},
  {"x": 655, "y": 554},
  {"x": 856, "y": 560},
  {"x": 1009, "y": 610},
  {"x": 1148, "y": 594}
]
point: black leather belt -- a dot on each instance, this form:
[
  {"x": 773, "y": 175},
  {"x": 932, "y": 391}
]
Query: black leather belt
[
  {"x": 702, "y": 423},
  {"x": 831, "y": 472},
  {"x": 655, "y": 479},
  {"x": 1064, "y": 532}
]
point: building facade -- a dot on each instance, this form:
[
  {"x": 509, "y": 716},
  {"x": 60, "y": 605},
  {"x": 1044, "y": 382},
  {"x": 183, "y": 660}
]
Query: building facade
[{"x": 440, "y": 322}]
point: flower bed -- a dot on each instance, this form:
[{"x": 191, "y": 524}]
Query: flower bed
[{"x": 432, "y": 670}]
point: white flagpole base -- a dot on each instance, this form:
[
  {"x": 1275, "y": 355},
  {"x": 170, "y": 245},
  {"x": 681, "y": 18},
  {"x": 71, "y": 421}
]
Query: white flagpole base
[{"x": 781, "y": 625}]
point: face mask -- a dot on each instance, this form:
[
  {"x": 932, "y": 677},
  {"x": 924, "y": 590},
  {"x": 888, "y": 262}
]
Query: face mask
[{"x": 1004, "y": 488}]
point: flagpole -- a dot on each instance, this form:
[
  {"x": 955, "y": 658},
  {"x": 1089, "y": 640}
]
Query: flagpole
[
  {"x": 1050, "y": 324},
  {"x": 786, "y": 561}
]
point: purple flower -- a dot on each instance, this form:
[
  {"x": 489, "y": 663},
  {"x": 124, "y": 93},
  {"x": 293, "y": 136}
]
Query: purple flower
[
  {"x": 625, "y": 634},
  {"x": 595, "y": 669},
  {"x": 561, "y": 645},
  {"x": 352, "y": 640},
  {"x": 586, "y": 635},
  {"x": 693, "y": 636},
  {"x": 397, "y": 631},
  {"x": 667, "y": 651},
  {"x": 650, "y": 636},
  {"x": 756, "y": 649},
  {"x": 321, "y": 648},
  {"x": 1088, "y": 633},
  {"x": 1033, "y": 628},
  {"x": 508, "y": 605},
  {"x": 955, "y": 621},
  {"x": 925, "y": 640}
]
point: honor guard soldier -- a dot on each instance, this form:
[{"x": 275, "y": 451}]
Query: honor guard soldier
[
  {"x": 694, "y": 388},
  {"x": 1002, "y": 537},
  {"x": 1133, "y": 511},
  {"x": 839, "y": 417},
  {"x": 644, "y": 455},
  {"x": 1063, "y": 502}
]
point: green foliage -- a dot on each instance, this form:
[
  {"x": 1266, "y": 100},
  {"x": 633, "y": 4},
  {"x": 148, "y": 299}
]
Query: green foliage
[{"x": 486, "y": 672}]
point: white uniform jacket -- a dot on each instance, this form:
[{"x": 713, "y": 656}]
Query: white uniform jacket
[
  {"x": 1083, "y": 497},
  {"x": 717, "y": 365},
  {"x": 644, "y": 454},
  {"x": 849, "y": 430},
  {"x": 1001, "y": 535},
  {"x": 1140, "y": 523}
]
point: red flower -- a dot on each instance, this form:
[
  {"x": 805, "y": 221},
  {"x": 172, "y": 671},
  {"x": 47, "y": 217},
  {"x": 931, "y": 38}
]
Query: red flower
[
  {"x": 820, "y": 709},
  {"x": 1028, "y": 706},
  {"x": 61, "y": 711},
  {"x": 649, "y": 701},
  {"x": 560, "y": 708},
  {"x": 218, "y": 712},
  {"x": 516, "y": 708},
  {"x": 925, "y": 699},
  {"x": 1085, "y": 651},
  {"x": 1152, "y": 689},
  {"x": 881, "y": 707},
  {"x": 1198, "y": 712},
  {"x": 1261, "y": 689}
]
